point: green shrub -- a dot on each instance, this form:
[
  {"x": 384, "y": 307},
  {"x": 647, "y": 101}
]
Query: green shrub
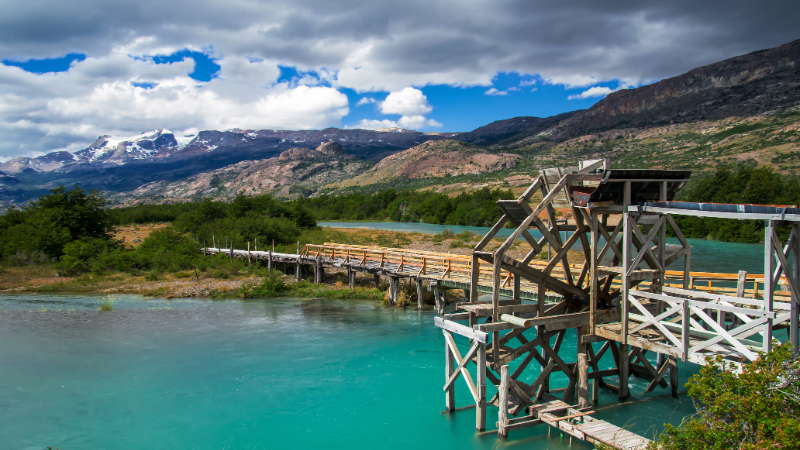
[
  {"x": 81, "y": 256},
  {"x": 759, "y": 408},
  {"x": 271, "y": 286}
]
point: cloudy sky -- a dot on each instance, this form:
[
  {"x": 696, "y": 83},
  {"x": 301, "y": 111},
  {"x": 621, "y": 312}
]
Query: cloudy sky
[{"x": 74, "y": 70}]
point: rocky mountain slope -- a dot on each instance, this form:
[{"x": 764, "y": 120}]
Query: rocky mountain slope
[
  {"x": 435, "y": 159},
  {"x": 295, "y": 172},
  {"x": 748, "y": 85}
]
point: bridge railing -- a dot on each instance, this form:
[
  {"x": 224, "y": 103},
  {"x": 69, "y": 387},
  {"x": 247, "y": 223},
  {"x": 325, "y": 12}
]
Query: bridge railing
[{"x": 693, "y": 322}]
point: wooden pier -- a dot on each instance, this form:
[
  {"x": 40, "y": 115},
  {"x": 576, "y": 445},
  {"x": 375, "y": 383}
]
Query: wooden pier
[{"x": 621, "y": 301}]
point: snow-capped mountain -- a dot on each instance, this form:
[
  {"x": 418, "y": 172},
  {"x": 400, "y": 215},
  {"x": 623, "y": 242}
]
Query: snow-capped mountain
[{"x": 118, "y": 150}]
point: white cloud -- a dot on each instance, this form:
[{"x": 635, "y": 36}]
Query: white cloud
[
  {"x": 597, "y": 91},
  {"x": 494, "y": 91},
  {"x": 369, "y": 124},
  {"x": 365, "y": 101},
  {"x": 409, "y": 101},
  {"x": 527, "y": 82},
  {"x": 416, "y": 122},
  {"x": 69, "y": 110}
]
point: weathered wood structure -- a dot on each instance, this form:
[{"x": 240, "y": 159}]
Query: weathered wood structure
[{"x": 618, "y": 298}]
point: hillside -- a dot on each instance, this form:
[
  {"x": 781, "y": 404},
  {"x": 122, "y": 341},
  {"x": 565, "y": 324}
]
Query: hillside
[
  {"x": 295, "y": 172},
  {"x": 434, "y": 160}
]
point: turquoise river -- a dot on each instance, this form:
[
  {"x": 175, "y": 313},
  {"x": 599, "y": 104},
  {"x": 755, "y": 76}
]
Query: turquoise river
[{"x": 258, "y": 374}]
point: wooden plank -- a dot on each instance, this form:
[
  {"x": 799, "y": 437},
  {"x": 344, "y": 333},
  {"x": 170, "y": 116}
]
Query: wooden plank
[
  {"x": 461, "y": 330},
  {"x": 461, "y": 366},
  {"x": 457, "y": 356}
]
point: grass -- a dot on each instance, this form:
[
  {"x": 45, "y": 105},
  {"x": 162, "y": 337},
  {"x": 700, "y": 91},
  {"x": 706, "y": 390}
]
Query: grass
[{"x": 106, "y": 304}]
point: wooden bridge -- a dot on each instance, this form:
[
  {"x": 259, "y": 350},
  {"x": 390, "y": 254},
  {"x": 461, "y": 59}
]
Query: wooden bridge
[{"x": 622, "y": 302}]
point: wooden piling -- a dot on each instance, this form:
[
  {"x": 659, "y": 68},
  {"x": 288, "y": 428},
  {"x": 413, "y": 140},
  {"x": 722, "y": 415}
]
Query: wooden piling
[
  {"x": 351, "y": 277},
  {"x": 394, "y": 286},
  {"x": 583, "y": 381},
  {"x": 299, "y": 270},
  {"x": 449, "y": 396},
  {"x": 269, "y": 260},
  {"x": 502, "y": 415},
  {"x": 318, "y": 270},
  {"x": 673, "y": 375},
  {"x": 480, "y": 404},
  {"x": 420, "y": 293}
]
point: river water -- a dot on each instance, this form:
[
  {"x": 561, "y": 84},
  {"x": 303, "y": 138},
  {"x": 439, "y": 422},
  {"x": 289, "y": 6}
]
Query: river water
[
  {"x": 263, "y": 374},
  {"x": 260, "y": 374}
]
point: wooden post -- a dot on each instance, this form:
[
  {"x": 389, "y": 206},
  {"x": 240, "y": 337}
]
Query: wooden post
[
  {"x": 626, "y": 266},
  {"x": 502, "y": 416},
  {"x": 794, "y": 321},
  {"x": 583, "y": 381},
  {"x": 256, "y": 244},
  {"x": 475, "y": 275},
  {"x": 517, "y": 290},
  {"x": 298, "y": 270},
  {"x": 740, "y": 284},
  {"x": 298, "y": 247},
  {"x": 392, "y": 290},
  {"x": 248, "y": 253},
  {"x": 480, "y": 405},
  {"x": 213, "y": 241},
  {"x": 419, "y": 293},
  {"x": 449, "y": 396},
  {"x": 231, "y": 250},
  {"x": 269, "y": 260},
  {"x": 319, "y": 275},
  {"x": 351, "y": 277},
  {"x": 769, "y": 289},
  {"x": 673, "y": 376},
  {"x": 594, "y": 290}
]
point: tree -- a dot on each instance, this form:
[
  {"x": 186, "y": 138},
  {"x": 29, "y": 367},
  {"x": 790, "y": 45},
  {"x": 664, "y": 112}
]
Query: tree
[{"x": 46, "y": 225}]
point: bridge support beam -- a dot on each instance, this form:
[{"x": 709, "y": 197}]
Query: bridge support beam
[
  {"x": 393, "y": 287},
  {"x": 420, "y": 293},
  {"x": 351, "y": 277},
  {"x": 673, "y": 375},
  {"x": 624, "y": 371},
  {"x": 319, "y": 272},
  {"x": 298, "y": 270}
]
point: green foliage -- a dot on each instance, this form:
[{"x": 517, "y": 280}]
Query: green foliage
[
  {"x": 271, "y": 286},
  {"x": 474, "y": 209},
  {"x": 759, "y": 408},
  {"x": 80, "y": 255},
  {"x": 105, "y": 304},
  {"x": 743, "y": 186},
  {"x": 48, "y": 224}
]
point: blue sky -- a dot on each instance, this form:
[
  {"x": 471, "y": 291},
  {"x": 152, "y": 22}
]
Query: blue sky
[
  {"x": 73, "y": 71},
  {"x": 456, "y": 108}
]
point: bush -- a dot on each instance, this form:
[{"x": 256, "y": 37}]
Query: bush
[
  {"x": 81, "y": 256},
  {"x": 271, "y": 286},
  {"x": 759, "y": 408}
]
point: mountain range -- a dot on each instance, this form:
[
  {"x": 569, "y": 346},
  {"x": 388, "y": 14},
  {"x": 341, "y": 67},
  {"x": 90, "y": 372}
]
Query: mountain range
[{"x": 663, "y": 123}]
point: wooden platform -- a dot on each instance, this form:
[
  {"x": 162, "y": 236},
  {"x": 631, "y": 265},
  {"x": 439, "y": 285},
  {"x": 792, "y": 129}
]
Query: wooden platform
[{"x": 580, "y": 424}]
